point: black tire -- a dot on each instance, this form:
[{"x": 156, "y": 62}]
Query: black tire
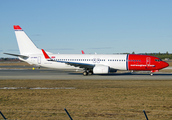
[
  {"x": 85, "y": 73},
  {"x": 90, "y": 73}
]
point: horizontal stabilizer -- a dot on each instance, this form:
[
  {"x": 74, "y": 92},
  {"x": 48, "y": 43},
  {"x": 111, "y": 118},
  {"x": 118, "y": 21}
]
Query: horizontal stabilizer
[{"x": 21, "y": 56}]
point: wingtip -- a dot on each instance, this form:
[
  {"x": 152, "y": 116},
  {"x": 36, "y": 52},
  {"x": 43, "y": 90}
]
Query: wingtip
[{"x": 17, "y": 27}]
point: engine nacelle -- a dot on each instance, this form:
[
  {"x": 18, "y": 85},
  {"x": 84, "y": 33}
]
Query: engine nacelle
[{"x": 101, "y": 70}]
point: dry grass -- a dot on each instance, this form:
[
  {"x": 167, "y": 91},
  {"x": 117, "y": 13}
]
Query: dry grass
[
  {"x": 166, "y": 70},
  {"x": 170, "y": 63},
  {"x": 91, "y": 99},
  {"x": 14, "y": 64}
]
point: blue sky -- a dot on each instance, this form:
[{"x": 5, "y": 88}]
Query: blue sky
[{"x": 102, "y": 26}]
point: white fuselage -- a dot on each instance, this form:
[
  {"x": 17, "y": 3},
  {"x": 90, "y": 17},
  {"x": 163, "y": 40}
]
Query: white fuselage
[{"x": 118, "y": 62}]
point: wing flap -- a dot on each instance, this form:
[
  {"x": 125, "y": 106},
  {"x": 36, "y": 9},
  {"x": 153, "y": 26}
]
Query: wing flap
[{"x": 80, "y": 65}]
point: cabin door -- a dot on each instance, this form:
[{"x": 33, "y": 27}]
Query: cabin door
[{"x": 39, "y": 59}]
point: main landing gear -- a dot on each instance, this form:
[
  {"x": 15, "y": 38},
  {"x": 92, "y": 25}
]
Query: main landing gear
[{"x": 85, "y": 73}]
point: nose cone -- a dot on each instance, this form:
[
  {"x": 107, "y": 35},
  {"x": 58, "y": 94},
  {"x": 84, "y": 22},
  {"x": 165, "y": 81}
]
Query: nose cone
[{"x": 164, "y": 64}]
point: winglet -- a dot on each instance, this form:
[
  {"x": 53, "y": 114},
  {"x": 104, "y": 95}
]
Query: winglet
[
  {"x": 45, "y": 55},
  {"x": 17, "y": 27},
  {"x": 82, "y": 52}
]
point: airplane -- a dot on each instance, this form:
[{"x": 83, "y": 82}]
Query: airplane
[
  {"x": 88, "y": 63},
  {"x": 82, "y": 52}
]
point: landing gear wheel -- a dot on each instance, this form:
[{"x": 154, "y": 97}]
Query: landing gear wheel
[
  {"x": 85, "y": 73},
  {"x": 90, "y": 72},
  {"x": 151, "y": 74}
]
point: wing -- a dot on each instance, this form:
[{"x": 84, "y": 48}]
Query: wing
[
  {"x": 75, "y": 64},
  {"x": 80, "y": 65}
]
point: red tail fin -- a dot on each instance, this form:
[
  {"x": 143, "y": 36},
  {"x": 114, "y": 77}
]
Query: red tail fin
[{"x": 17, "y": 27}]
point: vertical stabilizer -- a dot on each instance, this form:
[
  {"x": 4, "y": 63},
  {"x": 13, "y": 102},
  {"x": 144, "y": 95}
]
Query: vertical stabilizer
[{"x": 26, "y": 46}]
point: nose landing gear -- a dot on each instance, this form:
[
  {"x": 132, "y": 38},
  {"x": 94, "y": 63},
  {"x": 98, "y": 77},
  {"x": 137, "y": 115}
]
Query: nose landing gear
[
  {"x": 152, "y": 71},
  {"x": 151, "y": 74}
]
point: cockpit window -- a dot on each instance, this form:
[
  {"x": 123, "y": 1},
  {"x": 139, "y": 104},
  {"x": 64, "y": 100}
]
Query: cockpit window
[{"x": 158, "y": 60}]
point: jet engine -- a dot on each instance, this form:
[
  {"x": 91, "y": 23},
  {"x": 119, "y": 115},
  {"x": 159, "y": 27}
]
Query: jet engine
[{"x": 101, "y": 70}]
